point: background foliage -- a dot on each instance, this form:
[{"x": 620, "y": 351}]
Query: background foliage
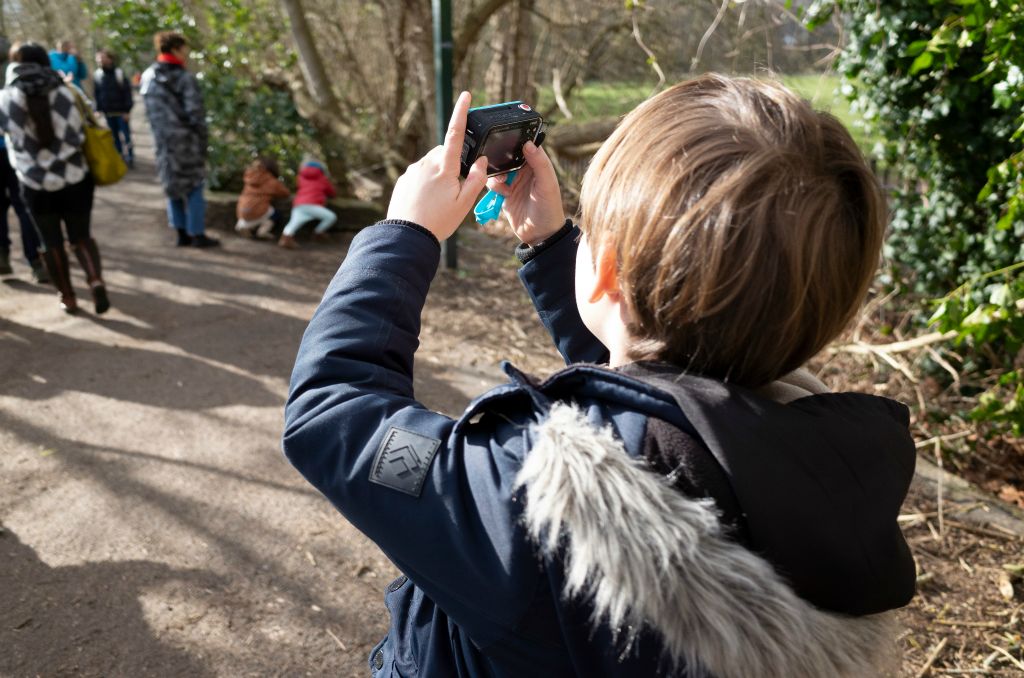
[
  {"x": 246, "y": 116},
  {"x": 941, "y": 82}
]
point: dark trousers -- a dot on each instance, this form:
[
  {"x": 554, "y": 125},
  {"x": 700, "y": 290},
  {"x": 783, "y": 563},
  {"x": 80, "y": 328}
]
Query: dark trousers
[
  {"x": 122, "y": 131},
  {"x": 10, "y": 196},
  {"x": 71, "y": 205}
]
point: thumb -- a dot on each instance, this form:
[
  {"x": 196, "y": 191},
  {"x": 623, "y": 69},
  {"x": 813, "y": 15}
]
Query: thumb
[
  {"x": 474, "y": 182},
  {"x": 540, "y": 163}
]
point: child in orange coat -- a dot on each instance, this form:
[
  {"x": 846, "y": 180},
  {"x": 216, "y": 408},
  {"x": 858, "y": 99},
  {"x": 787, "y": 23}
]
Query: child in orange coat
[{"x": 262, "y": 185}]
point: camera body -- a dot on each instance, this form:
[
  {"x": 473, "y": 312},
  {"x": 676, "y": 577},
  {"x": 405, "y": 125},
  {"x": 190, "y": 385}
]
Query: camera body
[{"x": 499, "y": 132}]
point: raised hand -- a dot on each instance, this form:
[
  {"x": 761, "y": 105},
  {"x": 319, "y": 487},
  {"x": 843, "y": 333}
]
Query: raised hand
[
  {"x": 533, "y": 203},
  {"x": 431, "y": 192}
]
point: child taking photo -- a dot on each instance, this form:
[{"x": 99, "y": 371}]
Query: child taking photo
[
  {"x": 314, "y": 189},
  {"x": 683, "y": 499}
]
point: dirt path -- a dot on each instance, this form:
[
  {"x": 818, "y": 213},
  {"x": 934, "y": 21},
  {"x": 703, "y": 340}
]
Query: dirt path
[{"x": 149, "y": 524}]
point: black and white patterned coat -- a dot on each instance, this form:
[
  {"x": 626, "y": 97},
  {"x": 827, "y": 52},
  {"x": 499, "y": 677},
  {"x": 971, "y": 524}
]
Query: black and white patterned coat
[
  {"x": 174, "y": 107},
  {"x": 59, "y": 164}
]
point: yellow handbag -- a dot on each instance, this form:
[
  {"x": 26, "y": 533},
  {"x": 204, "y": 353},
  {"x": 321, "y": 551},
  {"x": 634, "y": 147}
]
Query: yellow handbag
[{"x": 105, "y": 163}]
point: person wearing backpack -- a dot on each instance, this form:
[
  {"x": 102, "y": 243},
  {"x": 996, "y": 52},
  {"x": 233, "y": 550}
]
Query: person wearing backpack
[
  {"x": 45, "y": 134},
  {"x": 174, "y": 107},
  {"x": 114, "y": 100}
]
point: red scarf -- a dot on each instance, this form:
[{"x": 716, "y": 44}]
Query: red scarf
[{"x": 170, "y": 59}]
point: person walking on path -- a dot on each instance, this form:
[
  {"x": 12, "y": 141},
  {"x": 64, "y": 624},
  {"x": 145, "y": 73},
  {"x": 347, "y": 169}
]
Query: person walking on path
[
  {"x": 10, "y": 196},
  {"x": 65, "y": 60},
  {"x": 255, "y": 213},
  {"x": 314, "y": 188},
  {"x": 45, "y": 134},
  {"x": 114, "y": 100},
  {"x": 174, "y": 107}
]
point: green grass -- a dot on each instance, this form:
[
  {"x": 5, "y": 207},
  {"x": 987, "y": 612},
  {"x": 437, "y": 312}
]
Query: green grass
[
  {"x": 609, "y": 99},
  {"x": 599, "y": 99}
]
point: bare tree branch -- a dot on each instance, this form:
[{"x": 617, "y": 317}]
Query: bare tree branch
[
  {"x": 708, "y": 33},
  {"x": 652, "y": 58}
]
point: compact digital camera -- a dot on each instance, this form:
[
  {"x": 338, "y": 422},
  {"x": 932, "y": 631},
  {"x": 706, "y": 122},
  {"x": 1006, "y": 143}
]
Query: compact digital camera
[{"x": 499, "y": 132}]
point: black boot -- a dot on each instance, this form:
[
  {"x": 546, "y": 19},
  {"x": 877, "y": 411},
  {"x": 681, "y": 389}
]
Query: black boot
[
  {"x": 56, "y": 261},
  {"x": 89, "y": 257},
  {"x": 202, "y": 240},
  {"x": 184, "y": 239}
]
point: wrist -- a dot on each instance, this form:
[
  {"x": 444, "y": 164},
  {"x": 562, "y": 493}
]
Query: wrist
[
  {"x": 525, "y": 252},
  {"x": 536, "y": 238}
]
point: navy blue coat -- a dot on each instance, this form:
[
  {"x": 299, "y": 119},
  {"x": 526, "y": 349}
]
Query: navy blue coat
[
  {"x": 478, "y": 596},
  {"x": 113, "y": 90}
]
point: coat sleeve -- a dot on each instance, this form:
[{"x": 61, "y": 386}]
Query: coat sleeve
[
  {"x": 126, "y": 92},
  {"x": 435, "y": 499},
  {"x": 195, "y": 113},
  {"x": 278, "y": 189},
  {"x": 549, "y": 275}
]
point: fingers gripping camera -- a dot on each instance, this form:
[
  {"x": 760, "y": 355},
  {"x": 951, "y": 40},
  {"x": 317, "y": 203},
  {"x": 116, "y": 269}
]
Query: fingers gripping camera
[{"x": 498, "y": 132}]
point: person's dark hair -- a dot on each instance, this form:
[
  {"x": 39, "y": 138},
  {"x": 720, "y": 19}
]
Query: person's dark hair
[
  {"x": 110, "y": 55},
  {"x": 270, "y": 164},
  {"x": 39, "y": 105},
  {"x": 166, "y": 42}
]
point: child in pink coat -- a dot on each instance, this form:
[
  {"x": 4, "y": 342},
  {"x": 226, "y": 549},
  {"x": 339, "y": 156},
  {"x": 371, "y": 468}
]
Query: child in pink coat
[{"x": 314, "y": 188}]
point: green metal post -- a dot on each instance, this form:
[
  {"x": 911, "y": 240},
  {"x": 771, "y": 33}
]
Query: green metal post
[{"x": 443, "y": 93}]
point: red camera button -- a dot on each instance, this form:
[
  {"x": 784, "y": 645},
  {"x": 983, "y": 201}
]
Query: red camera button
[{"x": 525, "y": 107}]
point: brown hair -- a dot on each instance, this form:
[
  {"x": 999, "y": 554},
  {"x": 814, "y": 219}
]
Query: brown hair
[
  {"x": 746, "y": 226},
  {"x": 38, "y": 105},
  {"x": 268, "y": 163},
  {"x": 166, "y": 42}
]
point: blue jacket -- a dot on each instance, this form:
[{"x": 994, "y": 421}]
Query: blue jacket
[
  {"x": 69, "y": 64},
  {"x": 537, "y": 535}
]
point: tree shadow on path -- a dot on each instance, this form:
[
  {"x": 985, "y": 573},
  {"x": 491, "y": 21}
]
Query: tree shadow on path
[
  {"x": 60, "y": 620},
  {"x": 37, "y": 365}
]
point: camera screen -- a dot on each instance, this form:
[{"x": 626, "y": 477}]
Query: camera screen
[{"x": 503, "y": 149}]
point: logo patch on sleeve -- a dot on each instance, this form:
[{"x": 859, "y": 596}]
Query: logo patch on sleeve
[{"x": 403, "y": 460}]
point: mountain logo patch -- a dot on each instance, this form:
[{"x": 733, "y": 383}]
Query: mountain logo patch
[{"x": 403, "y": 460}]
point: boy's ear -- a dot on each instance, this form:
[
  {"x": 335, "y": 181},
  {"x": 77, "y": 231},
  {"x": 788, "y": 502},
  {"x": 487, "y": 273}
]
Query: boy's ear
[{"x": 606, "y": 275}]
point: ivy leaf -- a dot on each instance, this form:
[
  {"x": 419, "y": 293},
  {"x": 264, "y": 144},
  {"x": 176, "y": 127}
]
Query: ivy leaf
[
  {"x": 916, "y": 47},
  {"x": 923, "y": 61}
]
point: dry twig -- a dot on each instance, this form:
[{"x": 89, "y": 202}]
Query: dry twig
[
  {"x": 932, "y": 657},
  {"x": 1016, "y": 662},
  {"x": 337, "y": 640}
]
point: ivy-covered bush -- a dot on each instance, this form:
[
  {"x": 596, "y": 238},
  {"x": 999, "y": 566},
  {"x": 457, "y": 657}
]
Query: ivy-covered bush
[
  {"x": 941, "y": 81},
  {"x": 247, "y": 117},
  {"x": 985, "y": 315}
]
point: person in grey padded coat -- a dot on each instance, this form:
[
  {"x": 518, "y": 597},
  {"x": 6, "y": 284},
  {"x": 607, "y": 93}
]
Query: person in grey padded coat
[{"x": 174, "y": 107}]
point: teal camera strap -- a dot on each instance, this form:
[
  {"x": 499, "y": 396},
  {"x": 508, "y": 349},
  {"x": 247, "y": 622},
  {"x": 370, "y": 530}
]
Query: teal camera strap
[{"x": 489, "y": 207}]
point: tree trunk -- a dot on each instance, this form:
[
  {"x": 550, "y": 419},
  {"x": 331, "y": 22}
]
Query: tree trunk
[
  {"x": 309, "y": 58},
  {"x": 521, "y": 64},
  {"x": 508, "y": 76}
]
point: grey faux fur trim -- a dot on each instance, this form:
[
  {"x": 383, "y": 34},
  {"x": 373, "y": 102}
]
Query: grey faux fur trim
[{"x": 647, "y": 555}]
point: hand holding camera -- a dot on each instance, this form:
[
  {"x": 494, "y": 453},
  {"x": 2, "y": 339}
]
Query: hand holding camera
[
  {"x": 431, "y": 192},
  {"x": 533, "y": 203}
]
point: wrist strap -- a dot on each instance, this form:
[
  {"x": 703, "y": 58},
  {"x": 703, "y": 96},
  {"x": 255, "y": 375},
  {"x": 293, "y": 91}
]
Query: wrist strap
[{"x": 489, "y": 207}]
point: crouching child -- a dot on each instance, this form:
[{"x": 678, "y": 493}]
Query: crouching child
[
  {"x": 255, "y": 210},
  {"x": 683, "y": 499}
]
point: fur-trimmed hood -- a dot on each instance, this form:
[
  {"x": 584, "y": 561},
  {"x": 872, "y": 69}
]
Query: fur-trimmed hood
[{"x": 647, "y": 557}]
